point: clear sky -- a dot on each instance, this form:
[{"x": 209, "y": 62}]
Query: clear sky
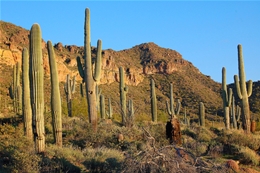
[{"x": 206, "y": 33}]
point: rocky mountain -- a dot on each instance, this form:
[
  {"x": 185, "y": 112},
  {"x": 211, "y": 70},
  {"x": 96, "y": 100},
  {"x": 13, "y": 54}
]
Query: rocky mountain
[{"x": 140, "y": 62}]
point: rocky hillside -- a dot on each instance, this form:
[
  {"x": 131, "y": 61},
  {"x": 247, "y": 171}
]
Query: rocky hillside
[{"x": 140, "y": 62}]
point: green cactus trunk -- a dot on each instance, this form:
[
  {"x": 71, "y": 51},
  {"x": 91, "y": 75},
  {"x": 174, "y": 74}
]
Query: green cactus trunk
[
  {"x": 55, "y": 97},
  {"x": 91, "y": 79},
  {"x": 242, "y": 91},
  {"x": 123, "y": 90},
  {"x": 27, "y": 110},
  {"x": 36, "y": 87},
  {"x": 102, "y": 107},
  {"x": 202, "y": 114},
  {"x": 233, "y": 113},
  {"x": 153, "y": 101}
]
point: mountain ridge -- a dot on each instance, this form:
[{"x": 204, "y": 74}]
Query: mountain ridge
[{"x": 141, "y": 62}]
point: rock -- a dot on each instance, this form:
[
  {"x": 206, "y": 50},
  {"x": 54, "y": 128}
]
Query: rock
[
  {"x": 233, "y": 165},
  {"x": 58, "y": 46}
]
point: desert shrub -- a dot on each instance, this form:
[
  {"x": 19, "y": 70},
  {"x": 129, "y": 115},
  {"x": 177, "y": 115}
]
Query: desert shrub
[
  {"x": 215, "y": 149},
  {"x": 238, "y": 137},
  {"x": 103, "y": 159},
  {"x": 248, "y": 156},
  {"x": 16, "y": 151}
]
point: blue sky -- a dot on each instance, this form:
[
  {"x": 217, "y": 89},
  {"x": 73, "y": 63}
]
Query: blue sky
[{"x": 206, "y": 33}]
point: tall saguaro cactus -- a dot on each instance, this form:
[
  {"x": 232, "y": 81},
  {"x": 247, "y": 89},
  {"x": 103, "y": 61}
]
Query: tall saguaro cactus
[
  {"x": 123, "y": 90},
  {"x": 226, "y": 97},
  {"x": 242, "y": 91},
  {"x": 91, "y": 77},
  {"x": 55, "y": 97},
  {"x": 36, "y": 86},
  {"x": 27, "y": 110},
  {"x": 153, "y": 101}
]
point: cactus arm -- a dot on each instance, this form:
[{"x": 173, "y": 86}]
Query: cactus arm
[
  {"x": 97, "y": 72},
  {"x": 238, "y": 87},
  {"x": 80, "y": 68},
  {"x": 168, "y": 109},
  {"x": 178, "y": 107},
  {"x": 230, "y": 94},
  {"x": 249, "y": 88},
  {"x": 55, "y": 97}
]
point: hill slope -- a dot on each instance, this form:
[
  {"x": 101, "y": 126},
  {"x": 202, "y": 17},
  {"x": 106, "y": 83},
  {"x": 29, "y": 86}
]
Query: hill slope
[{"x": 140, "y": 62}]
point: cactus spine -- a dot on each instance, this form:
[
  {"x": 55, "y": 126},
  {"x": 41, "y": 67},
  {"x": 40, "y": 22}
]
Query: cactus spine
[
  {"x": 55, "y": 97},
  {"x": 27, "y": 110},
  {"x": 69, "y": 88},
  {"x": 123, "y": 90},
  {"x": 153, "y": 102},
  {"x": 89, "y": 78},
  {"x": 243, "y": 92},
  {"x": 227, "y": 98},
  {"x": 202, "y": 114},
  {"x": 36, "y": 86}
]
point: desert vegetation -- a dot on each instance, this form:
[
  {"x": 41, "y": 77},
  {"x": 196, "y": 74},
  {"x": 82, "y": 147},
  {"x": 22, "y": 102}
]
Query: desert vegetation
[{"x": 166, "y": 122}]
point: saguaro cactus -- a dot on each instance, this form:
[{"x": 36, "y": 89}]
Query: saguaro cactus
[
  {"x": 243, "y": 92},
  {"x": 90, "y": 79},
  {"x": 36, "y": 86},
  {"x": 110, "y": 109},
  {"x": 55, "y": 97},
  {"x": 69, "y": 88},
  {"x": 123, "y": 90},
  {"x": 153, "y": 101},
  {"x": 15, "y": 89},
  {"x": 226, "y": 97},
  {"x": 170, "y": 108},
  {"x": 27, "y": 110},
  {"x": 202, "y": 114}
]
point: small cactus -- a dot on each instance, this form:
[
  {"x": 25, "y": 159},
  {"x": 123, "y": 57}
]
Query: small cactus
[
  {"x": 102, "y": 107},
  {"x": 110, "y": 109},
  {"x": 202, "y": 114},
  {"x": 227, "y": 98},
  {"x": 170, "y": 108},
  {"x": 69, "y": 88}
]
